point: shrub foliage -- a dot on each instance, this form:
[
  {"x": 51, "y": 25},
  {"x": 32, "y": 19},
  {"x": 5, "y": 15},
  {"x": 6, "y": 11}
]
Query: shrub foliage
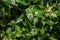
[{"x": 29, "y": 19}]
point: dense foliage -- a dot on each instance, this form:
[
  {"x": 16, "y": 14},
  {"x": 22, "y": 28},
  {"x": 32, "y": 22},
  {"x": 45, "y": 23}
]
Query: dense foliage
[{"x": 29, "y": 19}]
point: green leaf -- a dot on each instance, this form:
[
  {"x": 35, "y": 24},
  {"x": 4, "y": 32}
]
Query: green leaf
[
  {"x": 41, "y": 6},
  {"x": 23, "y": 2},
  {"x": 50, "y": 22},
  {"x": 31, "y": 9},
  {"x": 9, "y": 32},
  {"x": 8, "y": 2},
  {"x": 20, "y": 19},
  {"x": 39, "y": 13},
  {"x": 17, "y": 31},
  {"x": 35, "y": 21},
  {"x": 33, "y": 32},
  {"x": 53, "y": 15},
  {"x": 42, "y": 31},
  {"x": 52, "y": 38}
]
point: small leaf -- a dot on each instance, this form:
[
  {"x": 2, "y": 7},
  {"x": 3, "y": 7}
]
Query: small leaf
[
  {"x": 42, "y": 31},
  {"x": 35, "y": 21},
  {"x": 23, "y": 2},
  {"x": 39, "y": 13},
  {"x": 17, "y": 31},
  {"x": 9, "y": 32},
  {"x": 52, "y": 38},
  {"x": 50, "y": 22},
  {"x": 53, "y": 15}
]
